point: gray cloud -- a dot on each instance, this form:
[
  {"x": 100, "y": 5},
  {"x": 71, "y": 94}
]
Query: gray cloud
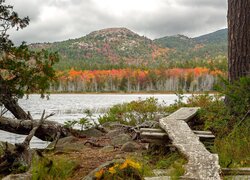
[{"x": 56, "y": 20}]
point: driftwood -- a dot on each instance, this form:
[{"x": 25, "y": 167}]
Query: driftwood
[
  {"x": 19, "y": 159},
  {"x": 48, "y": 131}
]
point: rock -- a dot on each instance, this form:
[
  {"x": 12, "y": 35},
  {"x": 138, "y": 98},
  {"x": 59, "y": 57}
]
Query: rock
[
  {"x": 150, "y": 124},
  {"x": 92, "y": 133},
  {"x": 63, "y": 141},
  {"x": 91, "y": 175},
  {"x": 159, "y": 116},
  {"x": 24, "y": 176},
  {"x": 70, "y": 143},
  {"x": 114, "y": 133},
  {"x": 120, "y": 139},
  {"x": 107, "y": 149},
  {"x": 130, "y": 147}
]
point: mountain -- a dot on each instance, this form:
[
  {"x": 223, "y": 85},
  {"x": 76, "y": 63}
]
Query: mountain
[
  {"x": 120, "y": 48},
  {"x": 178, "y": 42},
  {"x": 219, "y": 36},
  {"x": 203, "y": 47},
  {"x": 107, "y": 48}
]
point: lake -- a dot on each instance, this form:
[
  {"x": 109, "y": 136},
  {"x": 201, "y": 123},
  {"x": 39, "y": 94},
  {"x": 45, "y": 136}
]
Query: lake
[{"x": 71, "y": 107}]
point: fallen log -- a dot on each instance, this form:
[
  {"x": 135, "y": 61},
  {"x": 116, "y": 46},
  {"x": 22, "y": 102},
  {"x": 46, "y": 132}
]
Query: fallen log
[
  {"x": 19, "y": 159},
  {"x": 48, "y": 131}
]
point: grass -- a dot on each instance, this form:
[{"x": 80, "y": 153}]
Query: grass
[
  {"x": 52, "y": 168},
  {"x": 172, "y": 162}
]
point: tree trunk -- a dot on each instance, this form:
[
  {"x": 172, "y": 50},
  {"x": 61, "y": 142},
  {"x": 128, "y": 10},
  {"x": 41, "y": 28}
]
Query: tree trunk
[
  {"x": 12, "y": 105},
  {"x": 9, "y": 102},
  {"x": 48, "y": 131},
  {"x": 238, "y": 39}
]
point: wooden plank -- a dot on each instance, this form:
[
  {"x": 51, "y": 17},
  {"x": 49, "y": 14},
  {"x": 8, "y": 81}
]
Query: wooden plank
[
  {"x": 205, "y": 136},
  {"x": 184, "y": 114},
  {"x": 235, "y": 171},
  {"x": 151, "y": 130},
  {"x": 154, "y": 135},
  {"x": 158, "y": 133},
  {"x": 202, "y": 132},
  {"x": 201, "y": 164}
]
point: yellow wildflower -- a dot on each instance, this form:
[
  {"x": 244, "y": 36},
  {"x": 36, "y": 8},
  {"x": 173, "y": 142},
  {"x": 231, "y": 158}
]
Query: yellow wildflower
[
  {"x": 130, "y": 163},
  {"x": 134, "y": 165},
  {"x": 112, "y": 170},
  {"x": 99, "y": 174},
  {"x": 124, "y": 165}
]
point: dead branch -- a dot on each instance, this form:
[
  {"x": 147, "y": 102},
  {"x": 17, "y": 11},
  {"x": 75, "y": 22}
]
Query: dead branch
[
  {"x": 93, "y": 144},
  {"x": 20, "y": 158}
]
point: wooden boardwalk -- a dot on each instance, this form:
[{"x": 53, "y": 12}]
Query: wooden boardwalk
[{"x": 201, "y": 164}]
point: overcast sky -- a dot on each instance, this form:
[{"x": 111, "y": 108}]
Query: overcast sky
[{"x": 56, "y": 20}]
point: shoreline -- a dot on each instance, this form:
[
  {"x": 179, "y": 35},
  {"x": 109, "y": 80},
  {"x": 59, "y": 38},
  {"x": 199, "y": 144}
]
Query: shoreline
[{"x": 131, "y": 93}]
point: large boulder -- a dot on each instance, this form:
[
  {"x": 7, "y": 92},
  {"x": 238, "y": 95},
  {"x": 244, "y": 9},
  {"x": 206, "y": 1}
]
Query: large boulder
[
  {"x": 93, "y": 132},
  {"x": 130, "y": 147},
  {"x": 120, "y": 139},
  {"x": 67, "y": 143},
  {"x": 114, "y": 133}
]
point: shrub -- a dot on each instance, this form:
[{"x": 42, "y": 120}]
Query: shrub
[
  {"x": 85, "y": 122},
  {"x": 133, "y": 113}
]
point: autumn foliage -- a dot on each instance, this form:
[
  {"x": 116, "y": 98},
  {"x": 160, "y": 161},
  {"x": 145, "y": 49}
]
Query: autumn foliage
[{"x": 192, "y": 79}]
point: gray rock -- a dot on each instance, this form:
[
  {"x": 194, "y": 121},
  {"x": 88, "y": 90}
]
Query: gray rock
[
  {"x": 63, "y": 141},
  {"x": 120, "y": 139},
  {"x": 92, "y": 133},
  {"x": 130, "y": 147},
  {"x": 150, "y": 124},
  {"x": 114, "y": 133}
]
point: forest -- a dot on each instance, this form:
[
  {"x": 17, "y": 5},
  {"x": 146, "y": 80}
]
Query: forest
[{"x": 136, "y": 80}]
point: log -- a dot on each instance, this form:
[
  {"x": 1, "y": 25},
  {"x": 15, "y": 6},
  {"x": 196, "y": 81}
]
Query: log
[
  {"x": 19, "y": 160},
  {"x": 48, "y": 131},
  {"x": 235, "y": 171}
]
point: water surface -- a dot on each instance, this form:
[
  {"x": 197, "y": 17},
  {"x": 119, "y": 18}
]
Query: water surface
[{"x": 71, "y": 107}]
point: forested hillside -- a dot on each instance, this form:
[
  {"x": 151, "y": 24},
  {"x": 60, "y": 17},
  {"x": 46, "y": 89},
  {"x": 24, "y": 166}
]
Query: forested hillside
[
  {"x": 117, "y": 59},
  {"x": 117, "y": 48},
  {"x": 209, "y": 46},
  {"x": 106, "y": 49}
]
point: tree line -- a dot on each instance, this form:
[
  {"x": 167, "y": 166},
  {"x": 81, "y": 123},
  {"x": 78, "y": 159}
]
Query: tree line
[{"x": 136, "y": 80}]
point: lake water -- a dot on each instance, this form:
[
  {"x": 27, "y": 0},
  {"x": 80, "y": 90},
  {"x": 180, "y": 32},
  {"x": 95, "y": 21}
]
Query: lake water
[{"x": 71, "y": 107}]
